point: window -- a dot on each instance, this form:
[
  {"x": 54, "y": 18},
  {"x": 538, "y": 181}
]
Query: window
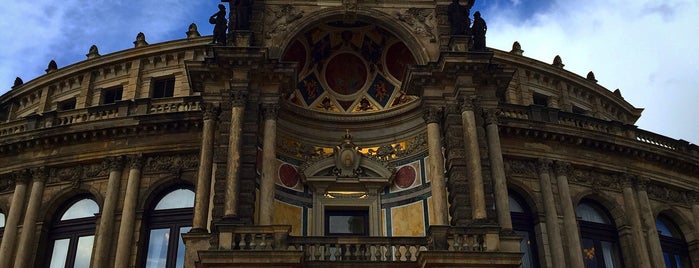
[
  {"x": 72, "y": 234},
  {"x": 66, "y": 105},
  {"x": 2, "y": 225},
  {"x": 163, "y": 87},
  {"x": 170, "y": 217},
  {"x": 347, "y": 222},
  {"x": 523, "y": 224},
  {"x": 598, "y": 235},
  {"x": 112, "y": 95},
  {"x": 541, "y": 99},
  {"x": 672, "y": 242}
]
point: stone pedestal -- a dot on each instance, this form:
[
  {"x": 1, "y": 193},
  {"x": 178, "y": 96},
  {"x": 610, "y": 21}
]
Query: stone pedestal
[
  {"x": 240, "y": 38},
  {"x": 460, "y": 43}
]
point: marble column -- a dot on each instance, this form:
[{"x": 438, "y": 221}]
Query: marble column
[
  {"x": 269, "y": 158},
  {"x": 473, "y": 160},
  {"x": 497, "y": 166},
  {"x": 105, "y": 229},
  {"x": 654, "y": 249},
  {"x": 553, "y": 232},
  {"x": 570, "y": 222},
  {"x": 128, "y": 213},
  {"x": 238, "y": 100},
  {"x": 436, "y": 165},
  {"x": 639, "y": 244},
  {"x": 25, "y": 249},
  {"x": 9, "y": 237},
  {"x": 206, "y": 160}
]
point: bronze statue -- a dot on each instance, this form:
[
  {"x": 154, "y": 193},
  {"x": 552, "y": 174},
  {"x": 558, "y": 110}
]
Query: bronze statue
[
  {"x": 242, "y": 15},
  {"x": 478, "y": 30},
  {"x": 459, "y": 20},
  {"x": 220, "y": 25}
]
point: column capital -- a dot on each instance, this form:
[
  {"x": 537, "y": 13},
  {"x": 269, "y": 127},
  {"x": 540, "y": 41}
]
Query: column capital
[
  {"x": 270, "y": 111},
  {"x": 492, "y": 116},
  {"x": 39, "y": 174},
  {"x": 469, "y": 103},
  {"x": 543, "y": 165},
  {"x": 135, "y": 161},
  {"x": 22, "y": 176},
  {"x": 641, "y": 184},
  {"x": 432, "y": 114},
  {"x": 627, "y": 180},
  {"x": 114, "y": 163},
  {"x": 210, "y": 110},
  {"x": 238, "y": 98},
  {"x": 562, "y": 168}
]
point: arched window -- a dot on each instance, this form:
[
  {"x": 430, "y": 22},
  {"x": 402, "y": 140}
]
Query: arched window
[
  {"x": 2, "y": 224},
  {"x": 598, "y": 235},
  {"x": 672, "y": 242},
  {"x": 72, "y": 234},
  {"x": 523, "y": 224},
  {"x": 167, "y": 219}
]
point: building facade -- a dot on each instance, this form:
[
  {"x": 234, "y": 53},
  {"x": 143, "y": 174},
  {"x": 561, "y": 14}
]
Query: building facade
[{"x": 336, "y": 133}]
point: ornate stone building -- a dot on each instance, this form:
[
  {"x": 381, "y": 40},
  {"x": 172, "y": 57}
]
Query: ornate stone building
[{"x": 336, "y": 133}]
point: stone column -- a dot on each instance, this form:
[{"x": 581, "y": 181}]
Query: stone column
[
  {"x": 639, "y": 249},
  {"x": 269, "y": 159},
  {"x": 436, "y": 164},
  {"x": 554, "y": 233},
  {"x": 26, "y": 240},
  {"x": 238, "y": 100},
  {"x": 497, "y": 166},
  {"x": 9, "y": 237},
  {"x": 654, "y": 249},
  {"x": 105, "y": 229},
  {"x": 128, "y": 213},
  {"x": 570, "y": 222},
  {"x": 206, "y": 160},
  {"x": 473, "y": 160}
]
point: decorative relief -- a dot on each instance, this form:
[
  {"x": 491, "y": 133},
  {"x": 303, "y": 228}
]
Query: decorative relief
[
  {"x": 597, "y": 180},
  {"x": 523, "y": 168},
  {"x": 543, "y": 165},
  {"x": 432, "y": 114},
  {"x": 420, "y": 21},
  {"x": 135, "y": 161},
  {"x": 76, "y": 174},
  {"x": 668, "y": 194},
  {"x": 173, "y": 164},
  {"x": 114, "y": 163},
  {"x": 278, "y": 19},
  {"x": 562, "y": 168}
]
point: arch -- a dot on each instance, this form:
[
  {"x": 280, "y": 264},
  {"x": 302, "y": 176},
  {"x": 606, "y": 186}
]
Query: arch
[
  {"x": 527, "y": 195},
  {"x": 673, "y": 240},
  {"x": 684, "y": 224},
  {"x": 616, "y": 211},
  {"x": 524, "y": 224},
  {"x": 71, "y": 239},
  {"x": 61, "y": 197},
  {"x": 599, "y": 235},
  {"x": 369, "y": 15},
  {"x": 151, "y": 194}
]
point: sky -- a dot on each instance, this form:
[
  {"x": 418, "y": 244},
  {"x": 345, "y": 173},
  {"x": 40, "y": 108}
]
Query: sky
[{"x": 645, "y": 48}]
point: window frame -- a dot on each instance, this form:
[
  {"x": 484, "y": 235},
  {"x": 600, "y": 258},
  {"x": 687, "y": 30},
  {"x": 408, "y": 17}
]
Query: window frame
[
  {"x": 71, "y": 229},
  {"x": 600, "y": 232},
  {"x": 525, "y": 222},
  {"x": 331, "y": 212},
  {"x": 107, "y": 91},
  {"x": 674, "y": 246},
  {"x": 167, "y": 90}
]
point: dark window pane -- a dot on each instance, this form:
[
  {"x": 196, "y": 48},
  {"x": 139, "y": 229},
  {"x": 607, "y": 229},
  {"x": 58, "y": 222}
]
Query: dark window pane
[
  {"x": 84, "y": 252},
  {"x": 67, "y": 105},
  {"x": 589, "y": 253},
  {"x": 60, "y": 253},
  {"x": 180, "y": 247},
  {"x": 157, "y": 248},
  {"x": 163, "y": 88},
  {"x": 111, "y": 95},
  {"x": 347, "y": 222}
]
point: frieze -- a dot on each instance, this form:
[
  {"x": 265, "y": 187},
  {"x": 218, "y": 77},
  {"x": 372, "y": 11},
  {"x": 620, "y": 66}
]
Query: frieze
[
  {"x": 278, "y": 19},
  {"x": 519, "y": 167},
  {"x": 420, "y": 21},
  {"x": 597, "y": 180},
  {"x": 666, "y": 194},
  {"x": 173, "y": 164},
  {"x": 76, "y": 174}
]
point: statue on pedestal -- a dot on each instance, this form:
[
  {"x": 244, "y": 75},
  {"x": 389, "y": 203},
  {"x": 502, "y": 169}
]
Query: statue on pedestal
[
  {"x": 478, "y": 30},
  {"x": 220, "y": 25},
  {"x": 459, "y": 20}
]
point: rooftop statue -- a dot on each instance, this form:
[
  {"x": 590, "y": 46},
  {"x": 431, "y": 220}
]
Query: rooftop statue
[
  {"x": 459, "y": 20},
  {"x": 478, "y": 30},
  {"x": 220, "y": 25}
]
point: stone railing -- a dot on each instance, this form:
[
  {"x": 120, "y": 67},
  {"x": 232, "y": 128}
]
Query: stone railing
[
  {"x": 550, "y": 115},
  {"x": 120, "y": 109},
  {"x": 371, "y": 249}
]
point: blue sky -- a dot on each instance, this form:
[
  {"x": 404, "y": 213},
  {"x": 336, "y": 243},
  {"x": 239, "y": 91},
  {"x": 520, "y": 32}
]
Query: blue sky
[{"x": 645, "y": 48}]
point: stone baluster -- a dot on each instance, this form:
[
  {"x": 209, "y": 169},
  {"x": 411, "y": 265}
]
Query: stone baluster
[
  {"x": 473, "y": 160},
  {"x": 9, "y": 237},
  {"x": 206, "y": 159},
  {"x": 268, "y": 164},
  {"x": 570, "y": 223},
  {"x": 502, "y": 200},
  {"x": 238, "y": 100},
  {"x": 128, "y": 213},
  {"x": 26, "y": 240},
  {"x": 436, "y": 164},
  {"x": 554, "y": 233}
]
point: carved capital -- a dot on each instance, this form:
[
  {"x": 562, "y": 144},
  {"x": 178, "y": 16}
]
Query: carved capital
[
  {"x": 627, "y": 180},
  {"x": 270, "y": 111},
  {"x": 641, "y": 184},
  {"x": 563, "y": 168},
  {"x": 491, "y": 116},
  {"x": 467, "y": 105},
  {"x": 39, "y": 174},
  {"x": 135, "y": 161},
  {"x": 114, "y": 163},
  {"x": 20, "y": 176},
  {"x": 432, "y": 114},
  {"x": 543, "y": 165},
  {"x": 210, "y": 111},
  {"x": 239, "y": 98}
]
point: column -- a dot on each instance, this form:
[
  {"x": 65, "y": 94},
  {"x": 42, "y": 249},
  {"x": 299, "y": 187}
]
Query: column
[
  {"x": 570, "y": 222},
  {"x": 105, "y": 229},
  {"x": 497, "y": 166},
  {"x": 639, "y": 244},
  {"x": 206, "y": 160},
  {"x": 238, "y": 100},
  {"x": 26, "y": 240},
  {"x": 654, "y": 249},
  {"x": 554, "y": 233},
  {"x": 436, "y": 163},
  {"x": 268, "y": 164},
  {"x": 128, "y": 213},
  {"x": 473, "y": 159},
  {"x": 9, "y": 237}
]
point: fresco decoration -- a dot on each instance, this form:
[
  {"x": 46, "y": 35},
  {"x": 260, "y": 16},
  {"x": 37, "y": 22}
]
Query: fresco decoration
[{"x": 349, "y": 68}]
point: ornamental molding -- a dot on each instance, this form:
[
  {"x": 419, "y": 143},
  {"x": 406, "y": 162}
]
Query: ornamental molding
[
  {"x": 278, "y": 19},
  {"x": 171, "y": 164},
  {"x": 421, "y": 21}
]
